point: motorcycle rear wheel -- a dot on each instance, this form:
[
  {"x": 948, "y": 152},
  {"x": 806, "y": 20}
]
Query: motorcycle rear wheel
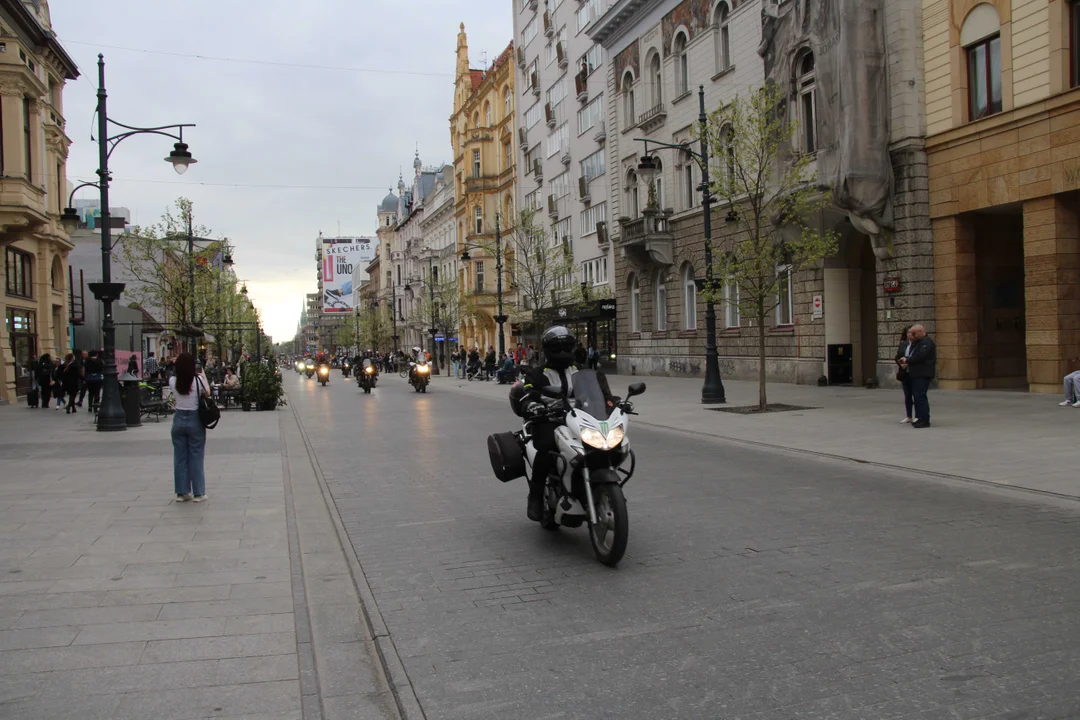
[{"x": 609, "y": 536}]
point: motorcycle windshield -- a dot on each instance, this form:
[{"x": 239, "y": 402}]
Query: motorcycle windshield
[{"x": 592, "y": 394}]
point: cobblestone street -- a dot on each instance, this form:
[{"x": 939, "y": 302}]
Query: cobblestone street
[{"x": 757, "y": 584}]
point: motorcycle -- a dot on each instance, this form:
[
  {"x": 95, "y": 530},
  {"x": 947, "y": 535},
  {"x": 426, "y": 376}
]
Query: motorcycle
[
  {"x": 299, "y": 367},
  {"x": 345, "y": 369},
  {"x": 324, "y": 374},
  {"x": 587, "y": 475},
  {"x": 366, "y": 379},
  {"x": 309, "y": 369},
  {"x": 419, "y": 376}
]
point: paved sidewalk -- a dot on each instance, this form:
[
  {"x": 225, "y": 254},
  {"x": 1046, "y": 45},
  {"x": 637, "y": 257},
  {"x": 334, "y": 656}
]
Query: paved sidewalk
[
  {"x": 1008, "y": 438},
  {"x": 117, "y": 602}
]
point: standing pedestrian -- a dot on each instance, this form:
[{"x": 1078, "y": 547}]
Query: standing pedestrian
[
  {"x": 1072, "y": 388},
  {"x": 530, "y": 356},
  {"x": 902, "y": 353},
  {"x": 94, "y": 371},
  {"x": 58, "y": 382},
  {"x": 44, "y": 372},
  {"x": 133, "y": 365},
  {"x": 80, "y": 358},
  {"x": 921, "y": 365},
  {"x": 188, "y": 433},
  {"x": 70, "y": 378},
  {"x": 151, "y": 366}
]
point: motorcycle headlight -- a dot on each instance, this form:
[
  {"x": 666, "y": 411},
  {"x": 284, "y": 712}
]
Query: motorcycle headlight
[
  {"x": 594, "y": 438},
  {"x": 369, "y": 370},
  {"x": 615, "y": 436},
  {"x": 310, "y": 366},
  {"x": 422, "y": 369}
]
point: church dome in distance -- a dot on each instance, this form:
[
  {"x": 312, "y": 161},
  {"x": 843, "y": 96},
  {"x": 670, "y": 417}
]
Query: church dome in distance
[{"x": 389, "y": 203}]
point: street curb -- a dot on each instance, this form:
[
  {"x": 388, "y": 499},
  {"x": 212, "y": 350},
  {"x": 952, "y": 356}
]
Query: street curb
[
  {"x": 405, "y": 699},
  {"x": 831, "y": 456}
]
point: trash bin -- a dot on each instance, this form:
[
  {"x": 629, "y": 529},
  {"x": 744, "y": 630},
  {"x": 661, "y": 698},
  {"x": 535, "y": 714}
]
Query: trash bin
[{"x": 131, "y": 399}]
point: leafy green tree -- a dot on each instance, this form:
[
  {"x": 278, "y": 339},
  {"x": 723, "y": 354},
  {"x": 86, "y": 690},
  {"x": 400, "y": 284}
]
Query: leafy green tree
[
  {"x": 376, "y": 332},
  {"x": 451, "y": 307},
  {"x": 772, "y": 193}
]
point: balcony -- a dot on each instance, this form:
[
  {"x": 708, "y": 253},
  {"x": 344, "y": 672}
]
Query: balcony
[
  {"x": 648, "y": 239},
  {"x": 22, "y": 205},
  {"x": 652, "y": 118},
  {"x": 481, "y": 183}
]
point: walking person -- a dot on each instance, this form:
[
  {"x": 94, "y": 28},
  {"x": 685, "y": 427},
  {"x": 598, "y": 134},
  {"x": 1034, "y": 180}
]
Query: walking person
[
  {"x": 94, "y": 371},
  {"x": 70, "y": 379},
  {"x": 921, "y": 366},
  {"x": 902, "y": 353},
  {"x": 57, "y": 379},
  {"x": 151, "y": 366},
  {"x": 188, "y": 434},
  {"x": 44, "y": 372},
  {"x": 133, "y": 365}
]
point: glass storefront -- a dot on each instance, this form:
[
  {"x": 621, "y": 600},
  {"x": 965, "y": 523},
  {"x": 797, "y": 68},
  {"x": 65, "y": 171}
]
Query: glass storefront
[
  {"x": 21, "y": 329},
  {"x": 593, "y": 323}
]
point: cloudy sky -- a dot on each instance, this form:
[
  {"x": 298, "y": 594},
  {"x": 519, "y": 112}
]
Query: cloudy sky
[{"x": 284, "y": 149}]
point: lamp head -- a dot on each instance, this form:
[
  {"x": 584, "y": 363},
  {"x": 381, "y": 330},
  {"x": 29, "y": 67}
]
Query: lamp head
[
  {"x": 647, "y": 168},
  {"x": 465, "y": 256},
  {"x": 180, "y": 158},
  {"x": 70, "y": 220}
]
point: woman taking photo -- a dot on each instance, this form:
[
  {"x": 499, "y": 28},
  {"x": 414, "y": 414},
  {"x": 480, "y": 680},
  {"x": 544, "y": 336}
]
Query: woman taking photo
[
  {"x": 188, "y": 434},
  {"x": 902, "y": 374}
]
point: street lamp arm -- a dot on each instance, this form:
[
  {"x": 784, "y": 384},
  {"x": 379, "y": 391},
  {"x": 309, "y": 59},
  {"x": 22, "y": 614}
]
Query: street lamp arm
[
  {"x": 684, "y": 147},
  {"x": 117, "y": 139},
  {"x": 77, "y": 188}
]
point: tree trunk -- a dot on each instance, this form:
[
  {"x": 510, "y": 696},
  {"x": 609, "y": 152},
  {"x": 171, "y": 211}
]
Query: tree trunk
[{"x": 762, "y": 402}]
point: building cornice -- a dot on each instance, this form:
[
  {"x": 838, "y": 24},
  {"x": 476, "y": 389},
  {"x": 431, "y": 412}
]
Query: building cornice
[{"x": 619, "y": 18}]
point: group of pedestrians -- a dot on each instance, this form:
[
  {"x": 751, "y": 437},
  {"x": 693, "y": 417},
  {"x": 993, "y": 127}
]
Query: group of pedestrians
[{"x": 68, "y": 381}]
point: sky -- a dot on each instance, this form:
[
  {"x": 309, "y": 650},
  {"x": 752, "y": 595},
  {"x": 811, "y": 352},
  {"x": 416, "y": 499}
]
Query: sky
[{"x": 283, "y": 151}]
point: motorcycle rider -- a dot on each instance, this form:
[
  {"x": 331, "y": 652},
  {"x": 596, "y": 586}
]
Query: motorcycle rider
[{"x": 558, "y": 369}]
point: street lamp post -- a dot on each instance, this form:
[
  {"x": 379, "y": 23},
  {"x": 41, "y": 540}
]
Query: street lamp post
[
  {"x": 431, "y": 301},
  {"x": 712, "y": 392},
  {"x": 111, "y": 414},
  {"x": 501, "y": 318}
]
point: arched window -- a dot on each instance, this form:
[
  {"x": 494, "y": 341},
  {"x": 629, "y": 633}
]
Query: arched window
[
  {"x": 689, "y": 298},
  {"x": 682, "y": 66},
  {"x": 656, "y": 75},
  {"x": 980, "y": 37},
  {"x": 661, "y": 302},
  {"x": 727, "y": 142},
  {"x": 632, "y": 207},
  {"x": 658, "y": 184},
  {"x": 487, "y": 114},
  {"x": 57, "y": 273},
  {"x": 476, "y": 120},
  {"x": 506, "y": 102},
  {"x": 732, "y": 318},
  {"x": 629, "y": 111},
  {"x": 635, "y": 305},
  {"x": 723, "y": 38},
  {"x": 806, "y": 82}
]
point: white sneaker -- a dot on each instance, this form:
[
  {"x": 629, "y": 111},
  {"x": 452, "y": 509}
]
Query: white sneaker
[
  {"x": 906, "y": 420},
  {"x": 1076, "y": 404},
  {"x": 1067, "y": 403}
]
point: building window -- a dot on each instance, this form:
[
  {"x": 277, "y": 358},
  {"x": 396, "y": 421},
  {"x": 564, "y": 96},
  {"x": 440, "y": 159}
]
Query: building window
[
  {"x": 594, "y": 165},
  {"x": 28, "y": 142},
  {"x": 479, "y": 273},
  {"x": 731, "y": 302},
  {"x": 487, "y": 114},
  {"x": 2, "y": 172},
  {"x": 591, "y": 217},
  {"x": 632, "y": 208},
  {"x": 807, "y": 85},
  {"x": 658, "y": 183},
  {"x": 984, "y": 78},
  {"x": 635, "y": 305},
  {"x": 19, "y": 267},
  {"x": 682, "y": 67},
  {"x": 723, "y": 38},
  {"x": 689, "y": 191},
  {"x": 479, "y": 221},
  {"x": 657, "y": 77},
  {"x": 476, "y": 163},
  {"x": 785, "y": 311},
  {"x": 591, "y": 114},
  {"x": 628, "y": 100},
  {"x": 508, "y": 156},
  {"x": 689, "y": 298},
  {"x": 661, "y": 302},
  {"x": 506, "y": 103}
]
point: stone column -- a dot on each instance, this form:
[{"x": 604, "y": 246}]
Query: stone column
[
  {"x": 956, "y": 301},
  {"x": 1051, "y": 289},
  {"x": 11, "y": 107}
]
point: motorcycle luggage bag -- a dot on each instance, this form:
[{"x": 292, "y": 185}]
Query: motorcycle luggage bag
[{"x": 507, "y": 456}]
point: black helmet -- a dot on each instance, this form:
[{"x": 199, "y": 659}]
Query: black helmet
[
  {"x": 518, "y": 394},
  {"x": 558, "y": 344}
]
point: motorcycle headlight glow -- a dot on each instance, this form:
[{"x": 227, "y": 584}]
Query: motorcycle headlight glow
[
  {"x": 323, "y": 371},
  {"x": 422, "y": 369},
  {"x": 310, "y": 366},
  {"x": 615, "y": 436},
  {"x": 596, "y": 439},
  {"x": 369, "y": 370}
]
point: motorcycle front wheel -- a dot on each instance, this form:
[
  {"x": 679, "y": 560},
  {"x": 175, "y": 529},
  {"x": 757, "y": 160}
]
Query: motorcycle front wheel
[{"x": 611, "y": 531}]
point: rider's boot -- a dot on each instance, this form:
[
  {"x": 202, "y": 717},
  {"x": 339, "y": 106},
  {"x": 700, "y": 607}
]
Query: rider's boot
[{"x": 536, "y": 501}]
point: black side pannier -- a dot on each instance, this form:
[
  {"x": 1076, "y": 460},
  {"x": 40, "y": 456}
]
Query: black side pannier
[{"x": 507, "y": 456}]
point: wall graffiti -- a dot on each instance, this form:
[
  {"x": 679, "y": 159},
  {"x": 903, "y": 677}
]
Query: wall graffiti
[{"x": 684, "y": 368}]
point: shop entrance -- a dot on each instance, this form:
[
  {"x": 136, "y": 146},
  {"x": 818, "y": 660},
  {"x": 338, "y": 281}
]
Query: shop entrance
[
  {"x": 850, "y": 298},
  {"x": 1000, "y": 304},
  {"x": 23, "y": 334}
]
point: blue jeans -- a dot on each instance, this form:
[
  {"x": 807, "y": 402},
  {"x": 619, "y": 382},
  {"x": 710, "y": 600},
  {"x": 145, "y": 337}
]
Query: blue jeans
[
  {"x": 909, "y": 400},
  {"x": 1072, "y": 386},
  {"x": 189, "y": 449},
  {"x": 919, "y": 386}
]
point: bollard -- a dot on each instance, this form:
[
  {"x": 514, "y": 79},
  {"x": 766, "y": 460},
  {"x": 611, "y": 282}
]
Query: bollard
[{"x": 131, "y": 398}]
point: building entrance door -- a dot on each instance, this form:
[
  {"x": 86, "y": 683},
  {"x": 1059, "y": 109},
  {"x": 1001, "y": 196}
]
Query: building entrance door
[
  {"x": 1001, "y": 307},
  {"x": 21, "y": 329}
]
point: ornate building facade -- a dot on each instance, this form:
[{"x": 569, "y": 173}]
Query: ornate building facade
[
  {"x": 33, "y": 192},
  {"x": 482, "y": 136}
]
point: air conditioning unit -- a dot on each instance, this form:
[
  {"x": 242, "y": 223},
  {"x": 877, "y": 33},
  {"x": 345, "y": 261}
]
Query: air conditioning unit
[
  {"x": 583, "y": 189},
  {"x": 523, "y": 137},
  {"x": 560, "y": 53},
  {"x": 549, "y": 28},
  {"x": 521, "y": 57},
  {"x": 534, "y": 4},
  {"x": 581, "y": 84},
  {"x": 566, "y": 157},
  {"x": 601, "y": 133},
  {"x": 549, "y": 115},
  {"x": 534, "y": 83},
  {"x": 538, "y": 168},
  {"x": 601, "y": 233},
  {"x": 553, "y": 208}
]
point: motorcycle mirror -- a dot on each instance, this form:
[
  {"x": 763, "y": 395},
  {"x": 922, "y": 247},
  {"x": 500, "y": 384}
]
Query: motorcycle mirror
[
  {"x": 550, "y": 391},
  {"x": 635, "y": 389}
]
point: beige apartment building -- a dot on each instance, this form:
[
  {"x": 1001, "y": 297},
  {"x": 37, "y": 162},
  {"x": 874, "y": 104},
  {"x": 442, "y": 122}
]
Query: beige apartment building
[
  {"x": 33, "y": 153},
  {"x": 1003, "y": 124}
]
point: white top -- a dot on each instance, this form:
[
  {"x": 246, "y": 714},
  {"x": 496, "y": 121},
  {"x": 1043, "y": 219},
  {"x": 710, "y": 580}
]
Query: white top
[{"x": 191, "y": 400}]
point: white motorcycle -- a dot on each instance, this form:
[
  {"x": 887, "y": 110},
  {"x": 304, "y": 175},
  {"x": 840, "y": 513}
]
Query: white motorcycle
[{"x": 587, "y": 474}]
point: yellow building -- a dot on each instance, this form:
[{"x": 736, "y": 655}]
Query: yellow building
[
  {"x": 1003, "y": 125},
  {"x": 481, "y": 132},
  {"x": 33, "y": 153}
]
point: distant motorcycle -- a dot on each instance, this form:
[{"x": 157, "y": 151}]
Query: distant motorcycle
[
  {"x": 345, "y": 368},
  {"x": 309, "y": 369},
  {"x": 324, "y": 374},
  {"x": 366, "y": 380},
  {"x": 420, "y": 375}
]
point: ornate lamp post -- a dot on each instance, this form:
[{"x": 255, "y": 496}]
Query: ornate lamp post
[
  {"x": 501, "y": 318},
  {"x": 712, "y": 391},
  {"x": 111, "y": 415}
]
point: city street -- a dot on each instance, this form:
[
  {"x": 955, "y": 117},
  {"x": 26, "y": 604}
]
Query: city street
[{"x": 757, "y": 584}]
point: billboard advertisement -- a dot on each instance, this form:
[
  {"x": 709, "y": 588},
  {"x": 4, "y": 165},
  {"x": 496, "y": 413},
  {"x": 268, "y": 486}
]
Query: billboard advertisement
[{"x": 341, "y": 256}]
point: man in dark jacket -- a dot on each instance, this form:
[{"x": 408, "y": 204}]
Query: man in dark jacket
[{"x": 921, "y": 365}]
